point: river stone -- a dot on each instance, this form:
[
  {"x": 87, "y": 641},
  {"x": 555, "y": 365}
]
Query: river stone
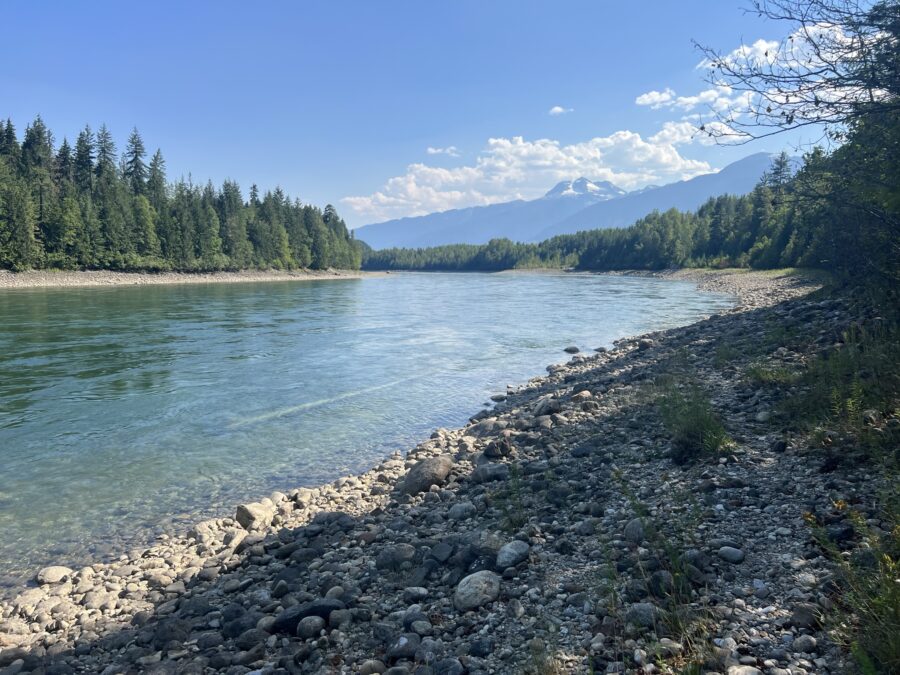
[
  {"x": 634, "y": 531},
  {"x": 310, "y": 626},
  {"x": 254, "y": 516},
  {"x": 642, "y": 614},
  {"x": 424, "y": 474},
  {"x": 805, "y": 643},
  {"x": 53, "y": 574},
  {"x": 487, "y": 473},
  {"x": 404, "y": 647},
  {"x": 731, "y": 554},
  {"x": 287, "y": 621},
  {"x": 372, "y": 667},
  {"x": 476, "y": 590},
  {"x": 462, "y": 511},
  {"x": 805, "y": 615},
  {"x": 392, "y": 557},
  {"x": 512, "y": 554}
]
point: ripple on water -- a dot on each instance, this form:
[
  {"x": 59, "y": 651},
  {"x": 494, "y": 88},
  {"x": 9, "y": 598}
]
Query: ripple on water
[{"x": 130, "y": 412}]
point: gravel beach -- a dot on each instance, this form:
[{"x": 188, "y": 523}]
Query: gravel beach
[
  {"x": 62, "y": 279},
  {"x": 539, "y": 538}
]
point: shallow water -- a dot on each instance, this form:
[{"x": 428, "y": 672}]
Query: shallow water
[{"x": 130, "y": 411}]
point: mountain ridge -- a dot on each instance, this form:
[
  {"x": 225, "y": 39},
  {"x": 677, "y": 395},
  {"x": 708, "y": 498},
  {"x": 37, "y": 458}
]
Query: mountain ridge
[{"x": 567, "y": 207}]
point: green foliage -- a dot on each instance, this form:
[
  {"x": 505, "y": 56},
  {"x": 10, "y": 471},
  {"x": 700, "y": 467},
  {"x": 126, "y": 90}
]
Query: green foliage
[
  {"x": 853, "y": 385},
  {"x": 867, "y": 616},
  {"x": 695, "y": 429},
  {"x": 83, "y": 209},
  {"x": 767, "y": 374}
]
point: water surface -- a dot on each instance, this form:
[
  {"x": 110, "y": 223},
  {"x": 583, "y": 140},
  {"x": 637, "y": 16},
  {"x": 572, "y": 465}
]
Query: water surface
[{"x": 130, "y": 411}]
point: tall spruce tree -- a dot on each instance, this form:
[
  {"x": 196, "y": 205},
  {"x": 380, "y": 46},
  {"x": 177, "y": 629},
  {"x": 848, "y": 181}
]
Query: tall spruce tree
[{"x": 135, "y": 172}]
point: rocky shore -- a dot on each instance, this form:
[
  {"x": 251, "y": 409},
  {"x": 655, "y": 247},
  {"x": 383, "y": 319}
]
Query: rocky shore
[
  {"x": 552, "y": 534},
  {"x": 64, "y": 279}
]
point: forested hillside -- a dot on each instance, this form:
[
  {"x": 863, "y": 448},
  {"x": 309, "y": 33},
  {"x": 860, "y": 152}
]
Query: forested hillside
[
  {"x": 84, "y": 207},
  {"x": 840, "y": 211}
]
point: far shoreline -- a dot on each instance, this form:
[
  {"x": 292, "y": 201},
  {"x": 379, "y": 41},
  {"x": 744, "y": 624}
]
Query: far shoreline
[{"x": 108, "y": 278}]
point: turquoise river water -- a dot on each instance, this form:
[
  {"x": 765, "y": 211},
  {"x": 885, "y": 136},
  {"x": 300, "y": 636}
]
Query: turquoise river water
[{"x": 126, "y": 412}]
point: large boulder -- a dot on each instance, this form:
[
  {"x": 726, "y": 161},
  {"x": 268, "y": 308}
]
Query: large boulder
[
  {"x": 424, "y": 474},
  {"x": 476, "y": 590},
  {"x": 254, "y": 516},
  {"x": 53, "y": 574}
]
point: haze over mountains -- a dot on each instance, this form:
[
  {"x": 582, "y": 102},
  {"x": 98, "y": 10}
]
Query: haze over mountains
[{"x": 570, "y": 206}]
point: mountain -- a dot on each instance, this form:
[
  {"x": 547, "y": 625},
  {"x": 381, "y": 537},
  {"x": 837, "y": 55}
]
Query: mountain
[
  {"x": 568, "y": 207},
  {"x": 582, "y": 187},
  {"x": 737, "y": 178}
]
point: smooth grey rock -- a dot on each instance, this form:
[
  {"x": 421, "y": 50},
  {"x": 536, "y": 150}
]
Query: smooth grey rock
[
  {"x": 310, "y": 626},
  {"x": 805, "y": 615},
  {"x": 744, "y": 670},
  {"x": 254, "y": 516},
  {"x": 634, "y": 531},
  {"x": 425, "y": 473},
  {"x": 372, "y": 667},
  {"x": 805, "y": 643},
  {"x": 404, "y": 647},
  {"x": 731, "y": 554},
  {"x": 487, "y": 473},
  {"x": 53, "y": 574},
  {"x": 642, "y": 614},
  {"x": 512, "y": 554},
  {"x": 476, "y": 590},
  {"x": 392, "y": 557},
  {"x": 461, "y": 511}
]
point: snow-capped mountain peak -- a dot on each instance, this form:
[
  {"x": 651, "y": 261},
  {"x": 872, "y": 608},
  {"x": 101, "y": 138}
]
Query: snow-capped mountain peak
[{"x": 583, "y": 187}]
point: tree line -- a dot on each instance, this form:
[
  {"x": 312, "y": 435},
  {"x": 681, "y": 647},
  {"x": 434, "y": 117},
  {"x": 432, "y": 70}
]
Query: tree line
[
  {"x": 840, "y": 211},
  {"x": 85, "y": 207}
]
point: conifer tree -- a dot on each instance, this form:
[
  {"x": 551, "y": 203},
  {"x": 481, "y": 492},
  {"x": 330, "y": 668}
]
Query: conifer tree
[
  {"x": 135, "y": 170},
  {"x": 84, "y": 161}
]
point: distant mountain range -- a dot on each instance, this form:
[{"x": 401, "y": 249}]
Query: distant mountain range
[{"x": 568, "y": 207}]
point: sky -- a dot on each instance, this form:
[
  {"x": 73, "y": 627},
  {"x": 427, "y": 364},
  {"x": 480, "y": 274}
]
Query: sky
[{"x": 392, "y": 108}]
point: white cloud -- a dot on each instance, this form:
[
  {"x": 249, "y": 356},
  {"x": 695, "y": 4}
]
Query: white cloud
[
  {"x": 655, "y": 99},
  {"x": 720, "y": 99},
  {"x": 516, "y": 168},
  {"x": 450, "y": 150},
  {"x": 559, "y": 110}
]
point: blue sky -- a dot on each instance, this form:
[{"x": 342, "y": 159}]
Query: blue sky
[{"x": 340, "y": 101}]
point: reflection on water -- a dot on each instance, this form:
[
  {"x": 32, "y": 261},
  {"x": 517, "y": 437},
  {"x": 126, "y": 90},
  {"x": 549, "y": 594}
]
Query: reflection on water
[{"x": 130, "y": 411}]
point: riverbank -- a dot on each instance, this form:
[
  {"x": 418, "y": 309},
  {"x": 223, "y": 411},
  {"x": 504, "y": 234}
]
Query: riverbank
[
  {"x": 552, "y": 534},
  {"x": 68, "y": 279}
]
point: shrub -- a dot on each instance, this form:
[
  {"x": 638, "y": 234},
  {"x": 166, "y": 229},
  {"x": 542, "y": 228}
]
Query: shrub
[
  {"x": 695, "y": 429},
  {"x": 867, "y": 620}
]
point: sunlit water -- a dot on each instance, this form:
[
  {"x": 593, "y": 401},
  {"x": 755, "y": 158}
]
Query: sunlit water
[{"x": 130, "y": 411}]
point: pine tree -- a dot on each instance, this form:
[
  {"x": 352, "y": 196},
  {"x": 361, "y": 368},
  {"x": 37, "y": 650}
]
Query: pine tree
[
  {"x": 135, "y": 171},
  {"x": 106, "y": 153},
  {"x": 37, "y": 148},
  {"x": 64, "y": 172},
  {"x": 145, "y": 227},
  {"x": 84, "y": 161},
  {"x": 19, "y": 247},
  {"x": 11, "y": 143}
]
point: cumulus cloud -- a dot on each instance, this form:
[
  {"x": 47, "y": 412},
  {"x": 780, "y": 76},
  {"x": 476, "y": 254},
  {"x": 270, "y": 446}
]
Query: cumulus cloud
[
  {"x": 559, "y": 110},
  {"x": 450, "y": 150},
  {"x": 720, "y": 99},
  {"x": 655, "y": 99},
  {"x": 518, "y": 168}
]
